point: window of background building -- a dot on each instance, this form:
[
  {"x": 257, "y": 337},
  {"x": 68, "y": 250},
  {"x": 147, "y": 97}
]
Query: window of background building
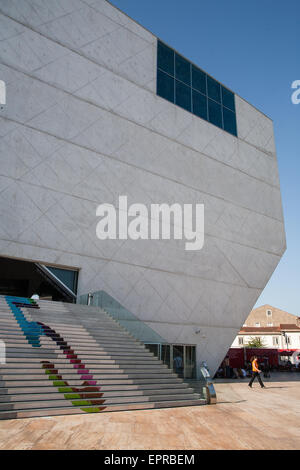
[
  {"x": 241, "y": 341},
  {"x": 257, "y": 324},
  {"x": 187, "y": 86},
  {"x": 270, "y": 324},
  {"x": 269, "y": 313},
  {"x": 275, "y": 341}
]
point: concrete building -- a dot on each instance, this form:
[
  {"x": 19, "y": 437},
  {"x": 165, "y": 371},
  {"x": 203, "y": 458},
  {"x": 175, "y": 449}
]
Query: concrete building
[{"x": 97, "y": 107}]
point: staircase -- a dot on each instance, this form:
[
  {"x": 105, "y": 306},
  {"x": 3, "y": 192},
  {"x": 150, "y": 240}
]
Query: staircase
[{"x": 72, "y": 359}]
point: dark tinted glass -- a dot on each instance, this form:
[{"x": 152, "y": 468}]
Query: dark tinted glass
[
  {"x": 184, "y": 84},
  {"x": 214, "y": 113},
  {"x": 69, "y": 278},
  {"x": 199, "y": 105},
  {"x": 229, "y": 121},
  {"x": 228, "y": 99},
  {"x": 165, "y": 86},
  {"x": 183, "y": 96},
  {"x": 165, "y": 58},
  {"x": 213, "y": 89},
  {"x": 198, "y": 80},
  {"x": 182, "y": 69}
]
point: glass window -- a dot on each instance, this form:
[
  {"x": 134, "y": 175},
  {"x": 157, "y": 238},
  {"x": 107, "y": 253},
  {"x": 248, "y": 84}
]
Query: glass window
[
  {"x": 166, "y": 354},
  {"x": 199, "y": 80},
  {"x": 215, "y": 113},
  {"x": 182, "y": 83},
  {"x": 199, "y": 104},
  {"x": 165, "y": 58},
  {"x": 229, "y": 121},
  {"x": 182, "y": 69},
  {"x": 183, "y": 96},
  {"x": 213, "y": 89},
  {"x": 66, "y": 276},
  {"x": 154, "y": 348},
  {"x": 165, "y": 86},
  {"x": 228, "y": 99}
]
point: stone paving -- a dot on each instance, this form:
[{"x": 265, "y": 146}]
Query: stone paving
[{"x": 243, "y": 419}]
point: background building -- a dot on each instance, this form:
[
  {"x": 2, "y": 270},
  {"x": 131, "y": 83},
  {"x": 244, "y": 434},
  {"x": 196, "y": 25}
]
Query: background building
[
  {"x": 97, "y": 107},
  {"x": 275, "y": 328}
]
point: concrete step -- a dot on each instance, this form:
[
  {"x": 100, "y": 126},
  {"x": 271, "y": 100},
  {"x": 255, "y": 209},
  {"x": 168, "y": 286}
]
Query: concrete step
[
  {"x": 71, "y": 400},
  {"x": 147, "y": 388},
  {"x": 87, "y": 375},
  {"x": 79, "y": 382},
  {"x": 13, "y": 332},
  {"x": 108, "y": 347},
  {"x": 32, "y": 366},
  {"x": 66, "y": 369},
  {"x": 35, "y": 362},
  {"x": 85, "y": 350},
  {"x": 94, "y": 409},
  {"x": 54, "y": 395}
]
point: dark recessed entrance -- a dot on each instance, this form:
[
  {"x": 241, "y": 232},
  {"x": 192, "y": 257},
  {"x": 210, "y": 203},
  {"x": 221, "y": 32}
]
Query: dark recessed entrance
[{"x": 24, "y": 278}]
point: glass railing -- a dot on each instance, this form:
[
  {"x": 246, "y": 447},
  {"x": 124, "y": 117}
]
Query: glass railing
[
  {"x": 199, "y": 378},
  {"x": 124, "y": 317}
]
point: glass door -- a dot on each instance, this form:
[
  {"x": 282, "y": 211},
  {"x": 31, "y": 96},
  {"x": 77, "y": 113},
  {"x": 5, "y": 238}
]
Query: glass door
[
  {"x": 190, "y": 362},
  {"x": 178, "y": 359},
  {"x": 166, "y": 354}
]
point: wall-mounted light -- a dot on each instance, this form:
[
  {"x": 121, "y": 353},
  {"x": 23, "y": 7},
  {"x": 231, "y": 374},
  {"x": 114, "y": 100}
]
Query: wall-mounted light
[{"x": 2, "y": 93}]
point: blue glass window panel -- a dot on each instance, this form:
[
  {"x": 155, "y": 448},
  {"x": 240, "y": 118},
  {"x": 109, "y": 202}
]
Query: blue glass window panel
[
  {"x": 213, "y": 89},
  {"x": 214, "y": 113},
  {"x": 229, "y": 121},
  {"x": 199, "y": 104},
  {"x": 199, "y": 80},
  {"x": 165, "y": 58},
  {"x": 183, "y": 95},
  {"x": 165, "y": 86},
  {"x": 68, "y": 277},
  {"x": 228, "y": 98},
  {"x": 182, "y": 69}
]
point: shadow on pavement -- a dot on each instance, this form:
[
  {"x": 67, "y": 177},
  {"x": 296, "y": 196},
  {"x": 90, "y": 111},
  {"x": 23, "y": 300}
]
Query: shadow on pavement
[{"x": 275, "y": 377}]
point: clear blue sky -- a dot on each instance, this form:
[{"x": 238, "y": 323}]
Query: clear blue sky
[{"x": 253, "y": 47}]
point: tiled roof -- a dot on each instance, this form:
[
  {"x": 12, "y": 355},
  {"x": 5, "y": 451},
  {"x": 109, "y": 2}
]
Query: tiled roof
[
  {"x": 260, "y": 329},
  {"x": 289, "y": 326},
  {"x": 269, "y": 329}
]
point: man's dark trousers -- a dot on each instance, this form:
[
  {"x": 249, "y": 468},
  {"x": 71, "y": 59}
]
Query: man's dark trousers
[{"x": 254, "y": 375}]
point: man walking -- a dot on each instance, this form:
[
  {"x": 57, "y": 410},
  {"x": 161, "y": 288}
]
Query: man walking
[{"x": 255, "y": 373}]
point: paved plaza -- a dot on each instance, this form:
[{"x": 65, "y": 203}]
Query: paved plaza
[{"x": 243, "y": 419}]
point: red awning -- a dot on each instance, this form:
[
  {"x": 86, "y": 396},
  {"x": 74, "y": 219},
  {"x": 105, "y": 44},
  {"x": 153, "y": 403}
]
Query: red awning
[{"x": 286, "y": 352}]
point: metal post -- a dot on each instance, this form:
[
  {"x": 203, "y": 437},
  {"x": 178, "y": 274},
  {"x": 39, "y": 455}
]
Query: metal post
[{"x": 89, "y": 299}]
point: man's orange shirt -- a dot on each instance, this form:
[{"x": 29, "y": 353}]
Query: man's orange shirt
[{"x": 255, "y": 366}]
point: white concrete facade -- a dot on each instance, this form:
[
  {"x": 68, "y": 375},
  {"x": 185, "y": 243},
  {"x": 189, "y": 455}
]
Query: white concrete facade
[{"x": 83, "y": 125}]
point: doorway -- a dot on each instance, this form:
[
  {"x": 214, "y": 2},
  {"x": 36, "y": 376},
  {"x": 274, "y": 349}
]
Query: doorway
[{"x": 179, "y": 357}]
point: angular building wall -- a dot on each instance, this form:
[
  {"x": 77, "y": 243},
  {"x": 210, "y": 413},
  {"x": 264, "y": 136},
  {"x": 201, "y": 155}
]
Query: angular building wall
[{"x": 83, "y": 125}]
